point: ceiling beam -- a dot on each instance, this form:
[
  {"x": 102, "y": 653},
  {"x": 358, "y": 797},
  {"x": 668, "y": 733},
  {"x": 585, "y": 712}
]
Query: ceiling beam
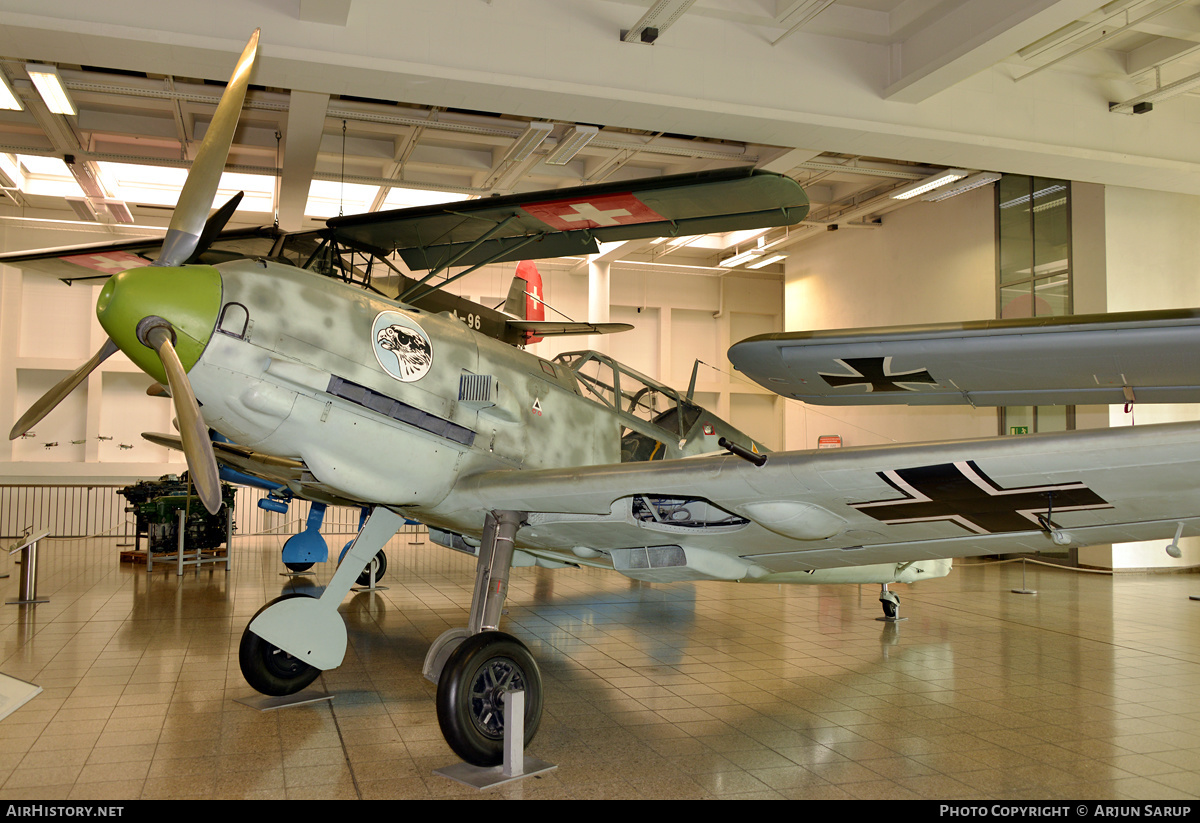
[
  {"x": 330, "y": 12},
  {"x": 302, "y": 140},
  {"x": 971, "y": 38},
  {"x": 788, "y": 160}
]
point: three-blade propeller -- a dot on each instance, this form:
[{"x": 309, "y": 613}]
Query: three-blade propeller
[{"x": 189, "y": 231}]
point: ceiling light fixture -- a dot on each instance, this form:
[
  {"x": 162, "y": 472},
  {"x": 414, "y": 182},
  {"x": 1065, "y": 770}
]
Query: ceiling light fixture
[
  {"x": 530, "y": 139},
  {"x": 766, "y": 261},
  {"x": 1145, "y": 102},
  {"x": 8, "y": 97},
  {"x": 738, "y": 259},
  {"x": 918, "y": 188},
  {"x": 50, "y": 86},
  {"x": 570, "y": 144},
  {"x": 983, "y": 178},
  {"x": 657, "y": 19}
]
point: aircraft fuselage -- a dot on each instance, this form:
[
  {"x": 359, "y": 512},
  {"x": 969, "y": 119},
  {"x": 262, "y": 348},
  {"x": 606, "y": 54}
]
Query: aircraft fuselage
[{"x": 391, "y": 404}]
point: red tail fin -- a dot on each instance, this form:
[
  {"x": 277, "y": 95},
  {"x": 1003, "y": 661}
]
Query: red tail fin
[{"x": 535, "y": 309}]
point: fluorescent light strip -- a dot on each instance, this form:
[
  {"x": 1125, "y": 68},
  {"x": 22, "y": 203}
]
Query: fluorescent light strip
[
  {"x": 929, "y": 184},
  {"x": 529, "y": 140},
  {"x": 1166, "y": 92},
  {"x": 973, "y": 182},
  {"x": 766, "y": 261},
  {"x": 1017, "y": 201},
  {"x": 49, "y": 86},
  {"x": 737, "y": 259},
  {"x": 569, "y": 146},
  {"x": 8, "y": 98}
]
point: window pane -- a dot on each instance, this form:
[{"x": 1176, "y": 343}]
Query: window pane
[
  {"x": 1016, "y": 251},
  {"x": 1052, "y": 296}
]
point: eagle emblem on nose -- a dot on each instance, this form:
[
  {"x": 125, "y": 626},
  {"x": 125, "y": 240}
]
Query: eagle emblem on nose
[{"x": 401, "y": 347}]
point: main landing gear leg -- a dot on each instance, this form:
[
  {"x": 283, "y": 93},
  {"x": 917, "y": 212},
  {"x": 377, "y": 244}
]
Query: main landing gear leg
[
  {"x": 293, "y": 636},
  {"x": 486, "y": 664}
]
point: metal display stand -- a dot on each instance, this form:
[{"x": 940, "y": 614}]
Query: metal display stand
[
  {"x": 516, "y": 765},
  {"x": 199, "y": 559},
  {"x": 1023, "y": 590},
  {"x": 370, "y": 587},
  {"x": 27, "y": 592},
  {"x": 264, "y": 703}
]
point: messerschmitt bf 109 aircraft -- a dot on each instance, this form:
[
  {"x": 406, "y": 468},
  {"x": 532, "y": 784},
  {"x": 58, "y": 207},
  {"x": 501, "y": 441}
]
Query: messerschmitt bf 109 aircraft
[{"x": 401, "y": 405}]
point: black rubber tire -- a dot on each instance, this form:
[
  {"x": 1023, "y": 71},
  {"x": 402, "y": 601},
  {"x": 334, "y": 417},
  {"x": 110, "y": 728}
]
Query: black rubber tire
[
  {"x": 469, "y": 709},
  {"x": 364, "y": 579},
  {"x": 298, "y": 567},
  {"x": 890, "y": 608},
  {"x": 267, "y": 668}
]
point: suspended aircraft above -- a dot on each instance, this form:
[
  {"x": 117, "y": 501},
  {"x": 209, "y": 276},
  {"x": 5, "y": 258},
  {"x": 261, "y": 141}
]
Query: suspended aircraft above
[
  {"x": 1143, "y": 357},
  {"x": 340, "y": 394}
]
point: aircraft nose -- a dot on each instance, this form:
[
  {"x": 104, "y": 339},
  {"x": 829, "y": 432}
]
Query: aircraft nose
[{"x": 187, "y": 297}]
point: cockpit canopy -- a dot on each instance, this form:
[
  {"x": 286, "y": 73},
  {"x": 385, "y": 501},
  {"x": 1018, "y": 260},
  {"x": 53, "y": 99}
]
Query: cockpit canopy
[{"x": 653, "y": 414}]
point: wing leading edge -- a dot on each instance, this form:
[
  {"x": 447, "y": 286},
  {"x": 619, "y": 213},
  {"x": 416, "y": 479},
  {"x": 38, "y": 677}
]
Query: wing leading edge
[{"x": 1144, "y": 357}]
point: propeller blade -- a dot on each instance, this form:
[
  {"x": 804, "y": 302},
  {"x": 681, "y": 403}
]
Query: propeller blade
[
  {"x": 197, "y": 447},
  {"x": 52, "y": 398},
  {"x": 196, "y": 198},
  {"x": 214, "y": 224}
]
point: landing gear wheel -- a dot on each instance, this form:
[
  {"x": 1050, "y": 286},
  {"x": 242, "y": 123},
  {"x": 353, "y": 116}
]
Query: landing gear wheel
[
  {"x": 470, "y": 708},
  {"x": 891, "y": 605},
  {"x": 298, "y": 567},
  {"x": 269, "y": 669},
  {"x": 379, "y": 561}
]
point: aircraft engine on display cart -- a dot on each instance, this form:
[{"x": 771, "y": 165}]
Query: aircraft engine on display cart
[{"x": 156, "y": 505}]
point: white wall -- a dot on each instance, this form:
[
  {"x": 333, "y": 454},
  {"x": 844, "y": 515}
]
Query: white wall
[
  {"x": 927, "y": 263},
  {"x": 1153, "y": 259},
  {"x": 677, "y": 319}
]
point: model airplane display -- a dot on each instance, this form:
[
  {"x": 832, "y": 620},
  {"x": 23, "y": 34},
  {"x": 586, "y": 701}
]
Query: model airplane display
[{"x": 345, "y": 396}]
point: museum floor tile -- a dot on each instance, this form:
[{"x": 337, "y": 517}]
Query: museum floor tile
[{"x": 1087, "y": 690}]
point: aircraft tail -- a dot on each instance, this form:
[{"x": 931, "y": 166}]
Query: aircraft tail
[
  {"x": 527, "y": 313},
  {"x": 525, "y": 298}
]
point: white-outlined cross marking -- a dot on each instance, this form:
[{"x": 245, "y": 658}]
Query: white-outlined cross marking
[{"x": 587, "y": 211}]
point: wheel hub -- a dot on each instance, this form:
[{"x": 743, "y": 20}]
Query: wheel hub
[
  {"x": 283, "y": 664},
  {"x": 494, "y": 679}
]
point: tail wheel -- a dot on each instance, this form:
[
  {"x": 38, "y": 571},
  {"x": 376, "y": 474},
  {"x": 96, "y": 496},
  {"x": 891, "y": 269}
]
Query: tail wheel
[
  {"x": 269, "y": 669},
  {"x": 379, "y": 561},
  {"x": 470, "y": 704},
  {"x": 891, "y": 605}
]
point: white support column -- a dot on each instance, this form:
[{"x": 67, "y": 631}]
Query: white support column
[
  {"x": 95, "y": 388},
  {"x": 598, "y": 299},
  {"x": 11, "y": 280}
]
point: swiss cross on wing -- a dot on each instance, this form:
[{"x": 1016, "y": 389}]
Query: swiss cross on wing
[
  {"x": 593, "y": 212},
  {"x": 109, "y": 262}
]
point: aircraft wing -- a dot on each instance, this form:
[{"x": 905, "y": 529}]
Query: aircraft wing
[
  {"x": 282, "y": 471},
  {"x": 1144, "y": 357},
  {"x": 96, "y": 261},
  {"x": 837, "y": 508},
  {"x": 570, "y": 221}
]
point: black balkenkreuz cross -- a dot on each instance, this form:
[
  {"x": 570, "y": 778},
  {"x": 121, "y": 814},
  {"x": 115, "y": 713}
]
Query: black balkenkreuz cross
[
  {"x": 963, "y": 494},
  {"x": 876, "y": 374}
]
